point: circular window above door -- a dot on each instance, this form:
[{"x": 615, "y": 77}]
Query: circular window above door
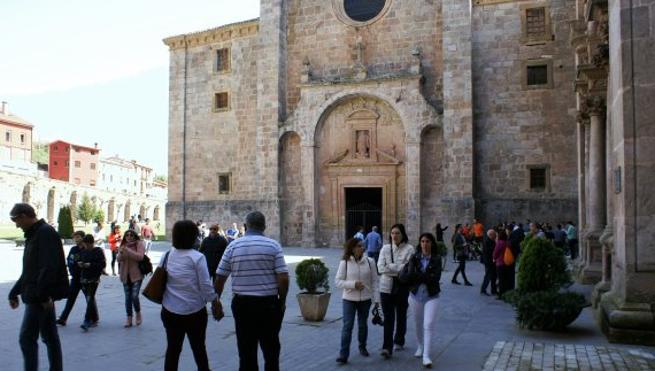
[{"x": 360, "y": 12}]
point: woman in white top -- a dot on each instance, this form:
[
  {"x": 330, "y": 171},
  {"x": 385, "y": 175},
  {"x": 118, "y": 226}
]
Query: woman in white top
[
  {"x": 188, "y": 290},
  {"x": 394, "y": 297},
  {"x": 358, "y": 277}
]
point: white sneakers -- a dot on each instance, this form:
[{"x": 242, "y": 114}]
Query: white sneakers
[
  {"x": 419, "y": 352},
  {"x": 427, "y": 362}
]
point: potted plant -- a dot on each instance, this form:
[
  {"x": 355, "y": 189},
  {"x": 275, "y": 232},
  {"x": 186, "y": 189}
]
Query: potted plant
[
  {"x": 312, "y": 278},
  {"x": 540, "y": 299}
]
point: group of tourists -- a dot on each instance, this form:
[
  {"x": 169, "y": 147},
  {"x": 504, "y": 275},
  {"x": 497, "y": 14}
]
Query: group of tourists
[{"x": 391, "y": 276}]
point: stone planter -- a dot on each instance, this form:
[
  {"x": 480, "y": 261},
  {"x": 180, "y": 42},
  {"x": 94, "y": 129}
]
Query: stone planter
[{"x": 313, "y": 306}]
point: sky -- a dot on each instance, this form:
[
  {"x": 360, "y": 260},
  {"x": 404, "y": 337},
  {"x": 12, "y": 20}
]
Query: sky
[{"x": 96, "y": 71}]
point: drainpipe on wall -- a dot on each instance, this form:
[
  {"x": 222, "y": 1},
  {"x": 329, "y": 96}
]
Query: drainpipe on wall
[{"x": 184, "y": 132}]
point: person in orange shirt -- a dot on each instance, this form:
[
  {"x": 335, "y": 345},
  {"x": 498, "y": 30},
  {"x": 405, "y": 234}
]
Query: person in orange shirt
[
  {"x": 115, "y": 238},
  {"x": 478, "y": 230}
]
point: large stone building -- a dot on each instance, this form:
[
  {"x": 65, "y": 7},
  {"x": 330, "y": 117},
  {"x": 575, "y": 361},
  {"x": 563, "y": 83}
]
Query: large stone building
[
  {"x": 16, "y": 142},
  {"x": 327, "y": 114}
]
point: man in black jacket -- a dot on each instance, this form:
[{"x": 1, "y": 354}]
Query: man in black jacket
[{"x": 43, "y": 281}]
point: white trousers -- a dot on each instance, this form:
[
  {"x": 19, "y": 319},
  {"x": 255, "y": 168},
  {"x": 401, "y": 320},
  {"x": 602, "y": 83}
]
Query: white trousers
[{"x": 425, "y": 318}]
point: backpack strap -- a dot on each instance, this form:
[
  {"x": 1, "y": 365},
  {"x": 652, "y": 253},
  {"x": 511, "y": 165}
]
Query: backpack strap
[{"x": 163, "y": 265}]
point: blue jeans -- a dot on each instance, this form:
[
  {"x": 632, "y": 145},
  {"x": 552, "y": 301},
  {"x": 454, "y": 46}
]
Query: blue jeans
[
  {"x": 349, "y": 310},
  {"x": 38, "y": 320},
  {"x": 132, "y": 290},
  {"x": 375, "y": 255}
]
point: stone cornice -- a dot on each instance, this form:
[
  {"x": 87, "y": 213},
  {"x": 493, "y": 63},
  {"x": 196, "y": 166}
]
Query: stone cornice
[
  {"x": 223, "y": 33},
  {"x": 370, "y": 80}
]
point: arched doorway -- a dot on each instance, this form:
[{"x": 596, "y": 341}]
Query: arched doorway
[
  {"x": 359, "y": 170},
  {"x": 291, "y": 190},
  {"x": 127, "y": 211},
  {"x": 155, "y": 213}
]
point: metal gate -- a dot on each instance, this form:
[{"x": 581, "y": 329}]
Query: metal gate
[{"x": 365, "y": 215}]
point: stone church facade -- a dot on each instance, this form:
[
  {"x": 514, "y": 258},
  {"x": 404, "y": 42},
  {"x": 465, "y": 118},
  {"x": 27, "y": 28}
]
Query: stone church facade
[{"x": 327, "y": 114}]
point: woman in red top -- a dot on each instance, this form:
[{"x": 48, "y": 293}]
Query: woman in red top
[
  {"x": 114, "y": 241},
  {"x": 499, "y": 260}
]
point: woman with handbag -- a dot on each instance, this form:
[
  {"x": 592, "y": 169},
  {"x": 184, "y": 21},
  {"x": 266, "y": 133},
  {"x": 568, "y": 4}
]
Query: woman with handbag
[
  {"x": 130, "y": 253},
  {"x": 422, "y": 273},
  {"x": 92, "y": 263},
  {"x": 461, "y": 249},
  {"x": 358, "y": 278},
  {"x": 188, "y": 290},
  {"x": 504, "y": 271},
  {"x": 393, "y": 295}
]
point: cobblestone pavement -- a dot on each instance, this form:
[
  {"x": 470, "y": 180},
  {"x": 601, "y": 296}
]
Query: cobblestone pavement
[
  {"x": 537, "y": 356},
  {"x": 469, "y": 326}
]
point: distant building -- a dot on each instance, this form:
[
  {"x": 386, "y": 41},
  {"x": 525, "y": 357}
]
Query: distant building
[
  {"x": 126, "y": 176},
  {"x": 16, "y": 142},
  {"x": 74, "y": 163}
]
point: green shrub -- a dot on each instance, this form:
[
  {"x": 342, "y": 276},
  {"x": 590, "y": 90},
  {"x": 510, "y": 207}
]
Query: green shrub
[
  {"x": 542, "y": 267},
  {"x": 65, "y": 223},
  {"x": 312, "y": 274},
  {"x": 538, "y": 302},
  {"x": 86, "y": 210},
  {"x": 99, "y": 216},
  {"x": 546, "y": 310}
]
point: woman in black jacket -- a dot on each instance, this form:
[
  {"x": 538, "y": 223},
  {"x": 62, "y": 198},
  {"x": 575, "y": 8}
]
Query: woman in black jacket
[
  {"x": 92, "y": 263},
  {"x": 422, "y": 274}
]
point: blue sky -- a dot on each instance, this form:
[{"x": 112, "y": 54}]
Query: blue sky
[{"x": 92, "y": 71}]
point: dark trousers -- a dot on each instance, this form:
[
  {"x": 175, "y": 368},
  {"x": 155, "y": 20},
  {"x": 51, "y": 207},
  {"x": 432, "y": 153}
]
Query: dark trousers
[
  {"x": 113, "y": 261},
  {"x": 461, "y": 268},
  {"x": 177, "y": 327},
  {"x": 131, "y": 290},
  {"x": 257, "y": 320},
  {"x": 505, "y": 278},
  {"x": 73, "y": 291},
  {"x": 394, "y": 308},
  {"x": 374, "y": 255},
  {"x": 573, "y": 247},
  {"x": 490, "y": 276},
  {"x": 38, "y": 320},
  {"x": 89, "y": 289},
  {"x": 350, "y": 308}
]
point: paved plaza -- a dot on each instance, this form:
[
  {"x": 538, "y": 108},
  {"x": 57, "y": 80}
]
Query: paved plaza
[{"x": 473, "y": 332}]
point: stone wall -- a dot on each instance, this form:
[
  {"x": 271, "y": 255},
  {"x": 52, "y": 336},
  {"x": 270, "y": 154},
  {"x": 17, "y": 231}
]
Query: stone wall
[
  {"x": 48, "y": 195},
  {"x": 291, "y": 191},
  {"x": 516, "y": 127},
  {"x": 316, "y": 33},
  {"x": 432, "y": 180}
]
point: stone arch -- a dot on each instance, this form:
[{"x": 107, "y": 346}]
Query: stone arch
[
  {"x": 431, "y": 177},
  {"x": 291, "y": 190},
  {"x": 27, "y": 193},
  {"x": 111, "y": 210},
  {"x": 155, "y": 213},
  {"x": 51, "y": 205},
  {"x": 340, "y": 164},
  {"x": 127, "y": 211},
  {"x": 73, "y": 205},
  {"x": 403, "y": 111},
  {"x": 143, "y": 211}
]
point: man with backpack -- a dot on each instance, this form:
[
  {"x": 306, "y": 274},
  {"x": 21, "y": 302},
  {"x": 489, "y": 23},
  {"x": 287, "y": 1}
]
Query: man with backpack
[{"x": 43, "y": 281}]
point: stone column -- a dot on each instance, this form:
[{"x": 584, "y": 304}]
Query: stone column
[
  {"x": 310, "y": 215},
  {"x": 596, "y": 201},
  {"x": 413, "y": 190},
  {"x": 582, "y": 208},
  {"x": 458, "y": 112}
]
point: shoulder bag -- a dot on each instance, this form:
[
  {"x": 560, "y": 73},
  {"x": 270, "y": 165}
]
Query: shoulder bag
[{"x": 155, "y": 288}]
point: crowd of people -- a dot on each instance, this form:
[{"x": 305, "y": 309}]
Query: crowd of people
[{"x": 396, "y": 277}]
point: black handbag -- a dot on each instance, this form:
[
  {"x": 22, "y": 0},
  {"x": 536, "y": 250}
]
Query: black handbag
[
  {"x": 397, "y": 286},
  {"x": 377, "y": 319},
  {"x": 145, "y": 265}
]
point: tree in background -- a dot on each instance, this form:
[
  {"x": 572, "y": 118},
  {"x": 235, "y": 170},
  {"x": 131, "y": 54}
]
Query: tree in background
[
  {"x": 86, "y": 211},
  {"x": 99, "y": 216},
  {"x": 40, "y": 152},
  {"x": 65, "y": 223},
  {"x": 161, "y": 178}
]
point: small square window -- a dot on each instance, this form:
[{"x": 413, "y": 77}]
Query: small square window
[
  {"x": 535, "y": 22},
  {"x": 8, "y": 136},
  {"x": 55, "y": 163},
  {"x": 92, "y": 183},
  {"x": 537, "y": 75},
  {"x": 78, "y": 164},
  {"x": 93, "y": 166},
  {"x": 538, "y": 178},
  {"x": 221, "y": 101},
  {"x": 67, "y": 163},
  {"x": 223, "y": 60},
  {"x": 224, "y": 183},
  {"x": 56, "y": 148},
  {"x": 22, "y": 138}
]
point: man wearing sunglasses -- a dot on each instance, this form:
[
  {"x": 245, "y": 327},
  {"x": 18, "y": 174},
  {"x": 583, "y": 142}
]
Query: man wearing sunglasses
[{"x": 44, "y": 279}]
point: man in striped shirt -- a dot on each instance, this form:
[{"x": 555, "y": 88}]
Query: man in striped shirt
[{"x": 260, "y": 282}]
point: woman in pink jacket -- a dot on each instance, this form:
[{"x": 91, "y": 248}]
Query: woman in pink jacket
[
  {"x": 130, "y": 253},
  {"x": 499, "y": 256}
]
